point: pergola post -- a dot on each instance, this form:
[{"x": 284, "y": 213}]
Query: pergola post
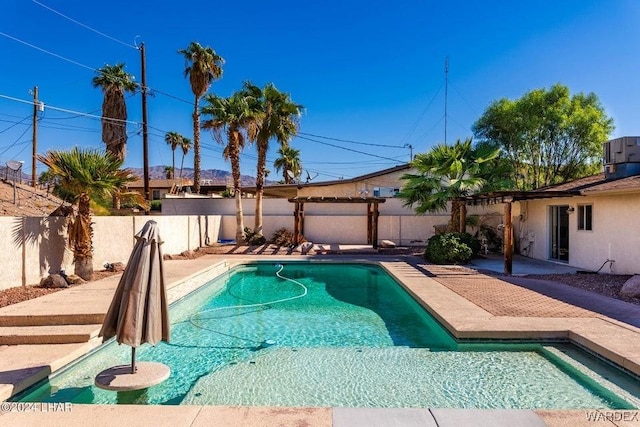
[
  {"x": 374, "y": 225},
  {"x": 372, "y": 213},
  {"x": 301, "y": 221},
  {"x": 508, "y": 239},
  {"x": 369, "y": 224},
  {"x": 296, "y": 222}
]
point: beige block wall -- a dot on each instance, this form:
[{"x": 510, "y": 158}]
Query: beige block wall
[{"x": 36, "y": 246}]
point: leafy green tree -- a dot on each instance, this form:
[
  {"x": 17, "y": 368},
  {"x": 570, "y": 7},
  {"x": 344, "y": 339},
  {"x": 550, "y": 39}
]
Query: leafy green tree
[
  {"x": 278, "y": 119},
  {"x": 448, "y": 172},
  {"x": 549, "y": 136},
  {"x": 234, "y": 119},
  {"x": 87, "y": 174},
  {"x": 288, "y": 160},
  {"x": 114, "y": 82},
  {"x": 204, "y": 66},
  {"x": 47, "y": 179}
]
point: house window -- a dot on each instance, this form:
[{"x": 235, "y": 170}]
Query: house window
[
  {"x": 155, "y": 195},
  {"x": 585, "y": 217}
]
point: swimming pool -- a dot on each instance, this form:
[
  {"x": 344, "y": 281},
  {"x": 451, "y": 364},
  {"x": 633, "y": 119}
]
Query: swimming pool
[{"x": 321, "y": 334}]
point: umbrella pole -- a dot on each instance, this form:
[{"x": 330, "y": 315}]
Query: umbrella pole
[{"x": 133, "y": 360}]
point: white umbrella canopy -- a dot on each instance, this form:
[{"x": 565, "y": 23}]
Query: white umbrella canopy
[{"x": 139, "y": 310}]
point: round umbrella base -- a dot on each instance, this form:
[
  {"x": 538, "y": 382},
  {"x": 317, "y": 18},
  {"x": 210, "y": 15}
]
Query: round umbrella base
[{"x": 120, "y": 378}]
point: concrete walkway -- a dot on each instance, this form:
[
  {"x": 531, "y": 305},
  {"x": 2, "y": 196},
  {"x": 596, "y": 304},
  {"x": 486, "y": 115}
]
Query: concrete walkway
[{"x": 500, "y": 310}]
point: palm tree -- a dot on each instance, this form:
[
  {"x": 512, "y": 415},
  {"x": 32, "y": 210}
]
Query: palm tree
[
  {"x": 448, "y": 172},
  {"x": 204, "y": 66},
  {"x": 114, "y": 82},
  {"x": 174, "y": 139},
  {"x": 279, "y": 119},
  {"x": 87, "y": 174},
  {"x": 169, "y": 172},
  {"x": 289, "y": 160},
  {"x": 232, "y": 116},
  {"x": 185, "y": 144}
]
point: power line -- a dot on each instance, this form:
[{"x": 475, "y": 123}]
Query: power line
[
  {"x": 16, "y": 141},
  {"x": 85, "y": 26},
  {"x": 148, "y": 88},
  {"x": 64, "y": 110},
  {"x": 351, "y": 142},
  {"x": 415, "y": 124},
  {"x": 14, "y": 123},
  {"x": 46, "y": 51},
  {"x": 170, "y": 96},
  {"x": 345, "y": 148},
  {"x": 464, "y": 99}
]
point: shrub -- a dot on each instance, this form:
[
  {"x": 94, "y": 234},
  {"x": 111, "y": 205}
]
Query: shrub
[
  {"x": 285, "y": 237},
  {"x": 448, "y": 248},
  {"x": 254, "y": 238},
  {"x": 473, "y": 243},
  {"x": 156, "y": 205}
]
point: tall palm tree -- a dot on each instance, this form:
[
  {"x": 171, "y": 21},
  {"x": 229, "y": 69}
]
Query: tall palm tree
[
  {"x": 85, "y": 175},
  {"x": 448, "y": 172},
  {"x": 114, "y": 82},
  {"x": 234, "y": 118},
  {"x": 204, "y": 66},
  {"x": 185, "y": 144},
  {"x": 288, "y": 160},
  {"x": 174, "y": 139},
  {"x": 278, "y": 119}
]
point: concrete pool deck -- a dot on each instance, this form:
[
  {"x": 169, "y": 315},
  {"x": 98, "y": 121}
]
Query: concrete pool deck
[{"x": 470, "y": 304}]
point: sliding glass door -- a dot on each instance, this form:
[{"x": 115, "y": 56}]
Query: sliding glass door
[{"x": 559, "y": 233}]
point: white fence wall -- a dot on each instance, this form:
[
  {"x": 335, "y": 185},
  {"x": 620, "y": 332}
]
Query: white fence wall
[
  {"x": 324, "y": 222},
  {"x": 36, "y": 246}
]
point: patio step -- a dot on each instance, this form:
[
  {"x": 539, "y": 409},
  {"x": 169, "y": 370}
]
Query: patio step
[
  {"x": 52, "y": 334},
  {"x": 51, "y": 319}
]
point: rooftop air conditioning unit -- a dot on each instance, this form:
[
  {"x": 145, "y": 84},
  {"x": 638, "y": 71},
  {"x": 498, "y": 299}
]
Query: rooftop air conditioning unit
[{"x": 622, "y": 157}]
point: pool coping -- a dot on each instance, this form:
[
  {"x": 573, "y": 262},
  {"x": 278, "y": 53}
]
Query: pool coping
[{"x": 611, "y": 339}]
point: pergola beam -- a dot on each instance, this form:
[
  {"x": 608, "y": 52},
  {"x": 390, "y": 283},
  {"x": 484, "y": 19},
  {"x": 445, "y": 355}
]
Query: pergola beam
[{"x": 373, "y": 213}]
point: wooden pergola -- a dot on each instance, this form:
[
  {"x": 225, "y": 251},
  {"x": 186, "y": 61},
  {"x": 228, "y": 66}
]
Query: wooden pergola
[
  {"x": 372, "y": 213},
  {"x": 508, "y": 197}
]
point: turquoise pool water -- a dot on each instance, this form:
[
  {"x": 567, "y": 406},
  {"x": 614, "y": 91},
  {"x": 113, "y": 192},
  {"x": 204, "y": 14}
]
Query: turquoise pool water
[{"x": 319, "y": 334}]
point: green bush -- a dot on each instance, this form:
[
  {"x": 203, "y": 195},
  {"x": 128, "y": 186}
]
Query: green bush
[
  {"x": 448, "y": 248},
  {"x": 156, "y": 205},
  {"x": 473, "y": 243}
]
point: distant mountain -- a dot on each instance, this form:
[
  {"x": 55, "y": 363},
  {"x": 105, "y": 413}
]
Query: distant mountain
[{"x": 217, "y": 176}]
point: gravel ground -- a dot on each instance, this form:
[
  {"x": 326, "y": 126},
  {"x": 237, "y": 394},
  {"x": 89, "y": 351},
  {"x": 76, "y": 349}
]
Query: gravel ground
[
  {"x": 605, "y": 284},
  {"x": 23, "y": 293}
]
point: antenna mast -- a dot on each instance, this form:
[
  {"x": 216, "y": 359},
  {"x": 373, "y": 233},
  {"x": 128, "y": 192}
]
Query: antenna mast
[{"x": 446, "y": 90}]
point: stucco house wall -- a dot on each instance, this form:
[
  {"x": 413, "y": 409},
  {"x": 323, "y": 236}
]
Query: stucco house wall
[
  {"x": 615, "y": 235},
  {"x": 356, "y": 187}
]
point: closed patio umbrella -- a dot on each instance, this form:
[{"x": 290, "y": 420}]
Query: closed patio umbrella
[{"x": 139, "y": 311}]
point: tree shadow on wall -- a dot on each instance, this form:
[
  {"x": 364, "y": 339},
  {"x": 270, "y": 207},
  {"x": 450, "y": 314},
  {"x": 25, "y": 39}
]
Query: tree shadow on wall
[{"x": 47, "y": 236}]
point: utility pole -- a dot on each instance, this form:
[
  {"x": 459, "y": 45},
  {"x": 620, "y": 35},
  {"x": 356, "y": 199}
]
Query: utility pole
[
  {"x": 410, "y": 147},
  {"x": 145, "y": 133},
  {"x": 34, "y": 178},
  {"x": 446, "y": 94}
]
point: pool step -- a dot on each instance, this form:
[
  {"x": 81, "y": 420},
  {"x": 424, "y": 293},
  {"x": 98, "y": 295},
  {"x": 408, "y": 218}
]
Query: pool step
[
  {"x": 51, "y": 319},
  {"x": 52, "y": 334}
]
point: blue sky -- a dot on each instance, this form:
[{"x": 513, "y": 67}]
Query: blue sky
[{"x": 366, "y": 71}]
